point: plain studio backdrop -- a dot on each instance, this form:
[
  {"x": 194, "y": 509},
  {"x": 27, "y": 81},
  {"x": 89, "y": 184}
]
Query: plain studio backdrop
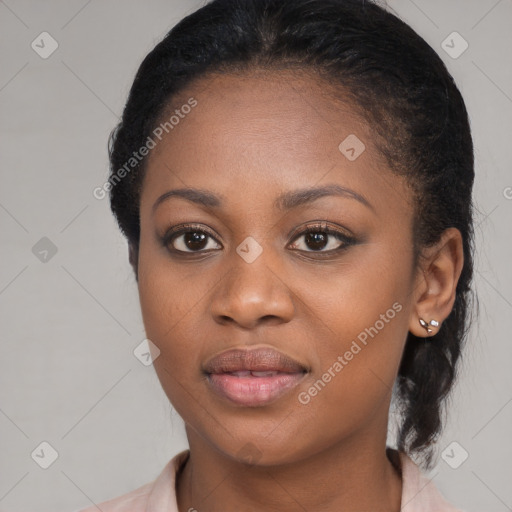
[{"x": 70, "y": 319}]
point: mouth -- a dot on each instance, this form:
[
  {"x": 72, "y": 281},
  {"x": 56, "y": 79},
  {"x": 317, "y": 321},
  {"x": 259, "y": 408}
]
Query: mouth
[{"x": 253, "y": 378}]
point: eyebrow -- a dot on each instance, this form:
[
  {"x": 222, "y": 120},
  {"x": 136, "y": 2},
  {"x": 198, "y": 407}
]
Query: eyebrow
[{"x": 286, "y": 201}]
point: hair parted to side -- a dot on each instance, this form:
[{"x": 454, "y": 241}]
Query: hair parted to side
[{"x": 403, "y": 89}]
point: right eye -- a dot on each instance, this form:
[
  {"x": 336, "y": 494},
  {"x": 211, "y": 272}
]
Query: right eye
[{"x": 190, "y": 239}]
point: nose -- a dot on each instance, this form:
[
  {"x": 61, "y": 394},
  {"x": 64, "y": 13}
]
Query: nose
[{"x": 252, "y": 293}]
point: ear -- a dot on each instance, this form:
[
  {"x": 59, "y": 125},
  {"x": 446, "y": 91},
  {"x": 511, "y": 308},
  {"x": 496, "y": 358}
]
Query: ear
[
  {"x": 133, "y": 258},
  {"x": 439, "y": 270}
]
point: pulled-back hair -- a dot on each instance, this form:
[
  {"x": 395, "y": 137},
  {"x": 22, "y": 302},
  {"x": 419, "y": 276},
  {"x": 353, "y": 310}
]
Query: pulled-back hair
[{"x": 402, "y": 88}]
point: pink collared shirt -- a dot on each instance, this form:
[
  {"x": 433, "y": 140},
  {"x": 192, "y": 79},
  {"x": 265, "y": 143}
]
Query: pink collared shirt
[{"x": 419, "y": 494}]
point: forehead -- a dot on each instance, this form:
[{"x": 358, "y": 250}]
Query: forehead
[
  {"x": 277, "y": 113},
  {"x": 265, "y": 131}
]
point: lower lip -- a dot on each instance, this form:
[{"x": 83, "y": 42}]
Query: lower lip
[{"x": 253, "y": 391}]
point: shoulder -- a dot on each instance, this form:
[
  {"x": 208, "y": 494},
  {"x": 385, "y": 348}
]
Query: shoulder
[
  {"x": 133, "y": 501},
  {"x": 159, "y": 494},
  {"x": 419, "y": 493}
]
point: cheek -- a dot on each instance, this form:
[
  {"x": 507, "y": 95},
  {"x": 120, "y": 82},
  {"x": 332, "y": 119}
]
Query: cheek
[
  {"x": 361, "y": 316},
  {"x": 350, "y": 297},
  {"x": 167, "y": 302},
  {"x": 167, "y": 298},
  {"x": 167, "y": 291}
]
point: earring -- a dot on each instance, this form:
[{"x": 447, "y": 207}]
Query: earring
[{"x": 433, "y": 323}]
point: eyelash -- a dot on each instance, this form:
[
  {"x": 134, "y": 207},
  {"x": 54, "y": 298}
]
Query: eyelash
[{"x": 322, "y": 227}]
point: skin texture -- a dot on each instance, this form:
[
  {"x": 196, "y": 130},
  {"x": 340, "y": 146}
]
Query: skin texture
[{"x": 250, "y": 138}]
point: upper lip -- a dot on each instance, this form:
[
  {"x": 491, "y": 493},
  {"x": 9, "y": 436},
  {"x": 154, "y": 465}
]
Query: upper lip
[{"x": 259, "y": 359}]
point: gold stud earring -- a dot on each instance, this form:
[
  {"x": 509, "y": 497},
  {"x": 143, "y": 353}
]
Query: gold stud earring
[{"x": 426, "y": 326}]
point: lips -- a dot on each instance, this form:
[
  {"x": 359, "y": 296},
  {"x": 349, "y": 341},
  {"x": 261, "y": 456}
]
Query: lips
[
  {"x": 253, "y": 378},
  {"x": 253, "y": 360}
]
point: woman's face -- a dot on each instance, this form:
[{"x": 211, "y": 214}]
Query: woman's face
[{"x": 250, "y": 277}]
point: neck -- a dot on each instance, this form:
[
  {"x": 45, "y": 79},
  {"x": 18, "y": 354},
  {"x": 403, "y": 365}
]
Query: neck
[{"x": 350, "y": 476}]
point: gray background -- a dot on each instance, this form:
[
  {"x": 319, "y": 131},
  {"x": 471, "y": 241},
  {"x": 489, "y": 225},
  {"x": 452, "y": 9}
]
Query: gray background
[{"x": 69, "y": 325}]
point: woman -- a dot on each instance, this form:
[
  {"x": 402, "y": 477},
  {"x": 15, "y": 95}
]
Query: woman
[{"x": 294, "y": 180}]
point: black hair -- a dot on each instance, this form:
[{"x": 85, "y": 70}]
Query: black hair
[{"x": 405, "y": 92}]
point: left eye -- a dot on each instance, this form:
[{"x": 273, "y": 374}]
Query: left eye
[{"x": 321, "y": 239}]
